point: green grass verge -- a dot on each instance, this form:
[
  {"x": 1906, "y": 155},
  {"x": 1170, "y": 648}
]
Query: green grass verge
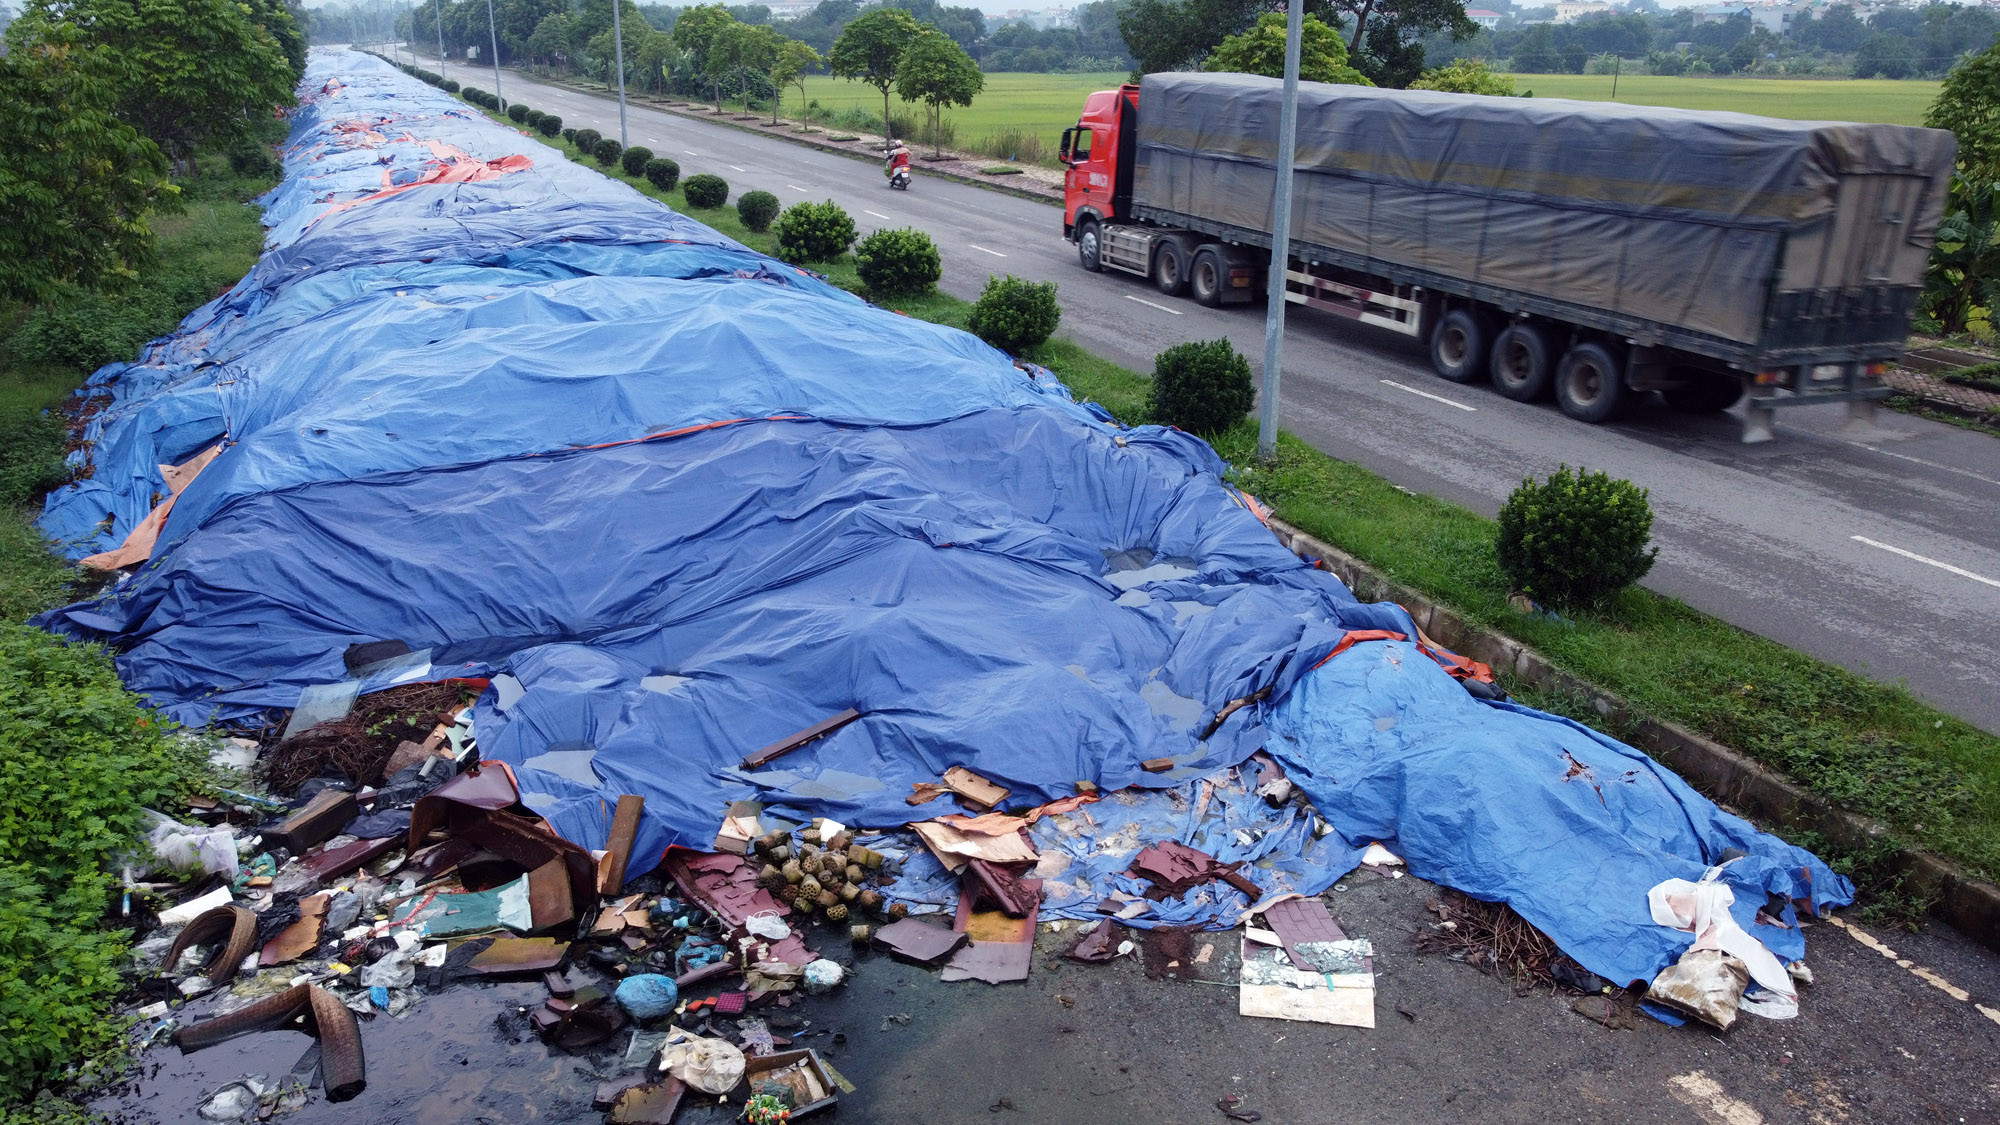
[
  {"x": 79, "y": 756},
  {"x": 1873, "y": 748}
]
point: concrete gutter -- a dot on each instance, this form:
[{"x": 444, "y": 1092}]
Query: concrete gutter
[{"x": 1724, "y": 775}]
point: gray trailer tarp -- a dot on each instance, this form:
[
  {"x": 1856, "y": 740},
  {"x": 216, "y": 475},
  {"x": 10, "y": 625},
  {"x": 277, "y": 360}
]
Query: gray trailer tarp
[{"x": 1721, "y": 224}]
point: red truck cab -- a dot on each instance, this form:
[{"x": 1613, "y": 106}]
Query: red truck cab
[{"x": 1098, "y": 150}]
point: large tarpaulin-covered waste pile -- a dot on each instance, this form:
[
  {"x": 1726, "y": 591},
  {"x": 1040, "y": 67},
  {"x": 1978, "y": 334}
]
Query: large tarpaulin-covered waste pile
[{"x": 724, "y": 552}]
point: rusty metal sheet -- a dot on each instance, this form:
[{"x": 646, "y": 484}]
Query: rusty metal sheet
[
  {"x": 335, "y": 862},
  {"x": 921, "y": 942},
  {"x": 519, "y": 955},
  {"x": 995, "y": 962},
  {"x": 322, "y": 819}
]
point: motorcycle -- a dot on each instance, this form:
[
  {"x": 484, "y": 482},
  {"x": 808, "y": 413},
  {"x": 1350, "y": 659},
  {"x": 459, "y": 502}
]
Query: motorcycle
[{"x": 899, "y": 178}]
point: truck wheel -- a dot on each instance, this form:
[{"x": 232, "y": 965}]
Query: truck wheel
[
  {"x": 1589, "y": 385},
  {"x": 1205, "y": 277},
  {"x": 1705, "y": 393},
  {"x": 1523, "y": 362},
  {"x": 1170, "y": 269},
  {"x": 1089, "y": 246},
  {"x": 1458, "y": 346}
]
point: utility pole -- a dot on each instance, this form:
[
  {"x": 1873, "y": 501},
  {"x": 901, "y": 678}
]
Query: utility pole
[
  {"x": 1281, "y": 239},
  {"x": 440, "y": 31},
  {"x": 618, "y": 49},
  {"x": 1617, "y": 64},
  {"x": 493, "y": 31}
]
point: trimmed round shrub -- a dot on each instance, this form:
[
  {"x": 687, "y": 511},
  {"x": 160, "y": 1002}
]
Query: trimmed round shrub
[
  {"x": 662, "y": 173},
  {"x": 569, "y": 135},
  {"x": 757, "y": 209},
  {"x": 1202, "y": 387},
  {"x": 706, "y": 190},
  {"x": 533, "y": 118},
  {"x": 897, "y": 262},
  {"x": 451, "y": 85},
  {"x": 551, "y": 125},
  {"x": 473, "y": 94},
  {"x": 1575, "y": 539},
  {"x": 606, "y": 151},
  {"x": 1013, "y": 313},
  {"x": 634, "y": 160},
  {"x": 586, "y": 141},
  {"x": 517, "y": 112},
  {"x": 814, "y": 232}
]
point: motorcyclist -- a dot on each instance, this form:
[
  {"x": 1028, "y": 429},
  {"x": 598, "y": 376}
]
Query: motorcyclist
[{"x": 898, "y": 157}]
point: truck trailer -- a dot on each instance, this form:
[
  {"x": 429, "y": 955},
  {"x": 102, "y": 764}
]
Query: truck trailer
[{"x": 1592, "y": 251}]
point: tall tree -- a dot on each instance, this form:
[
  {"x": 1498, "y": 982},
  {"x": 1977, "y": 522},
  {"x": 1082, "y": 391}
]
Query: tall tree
[
  {"x": 1968, "y": 104},
  {"x": 744, "y": 49},
  {"x": 188, "y": 73},
  {"x": 795, "y": 61},
  {"x": 76, "y": 183},
  {"x": 936, "y": 71},
  {"x": 695, "y": 32},
  {"x": 1383, "y": 43},
  {"x": 1261, "y": 50},
  {"x": 1178, "y": 34},
  {"x": 871, "y": 48}
]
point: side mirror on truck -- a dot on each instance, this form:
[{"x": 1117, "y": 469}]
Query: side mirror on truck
[{"x": 1068, "y": 139}]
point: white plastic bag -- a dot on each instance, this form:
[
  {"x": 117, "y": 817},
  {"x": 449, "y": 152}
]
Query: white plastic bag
[{"x": 187, "y": 849}]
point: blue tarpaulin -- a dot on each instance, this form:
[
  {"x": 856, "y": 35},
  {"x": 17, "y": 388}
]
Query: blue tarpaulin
[{"x": 677, "y": 500}]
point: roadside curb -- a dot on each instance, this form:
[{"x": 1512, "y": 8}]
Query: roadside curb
[
  {"x": 1970, "y": 905},
  {"x": 806, "y": 142}
]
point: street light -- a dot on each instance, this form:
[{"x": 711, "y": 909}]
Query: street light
[
  {"x": 492, "y": 31},
  {"x": 1281, "y": 239},
  {"x": 618, "y": 48}
]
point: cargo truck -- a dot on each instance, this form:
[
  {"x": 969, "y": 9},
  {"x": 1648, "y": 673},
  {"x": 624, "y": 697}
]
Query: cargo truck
[{"x": 1591, "y": 251}]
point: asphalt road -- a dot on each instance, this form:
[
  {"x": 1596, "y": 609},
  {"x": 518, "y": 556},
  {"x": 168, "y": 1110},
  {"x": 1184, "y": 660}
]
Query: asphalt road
[
  {"x": 1878, "y": 550},
  {"x": 1874, "y": 1044}
]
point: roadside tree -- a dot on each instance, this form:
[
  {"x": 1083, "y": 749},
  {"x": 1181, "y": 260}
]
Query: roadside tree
[
  {"x": 1466, "y": 76},
  {"x": 937, "y": 72},
  {"x": 186, "y": 74},
  {"x": 1261, "y": 50},
  {"x": 695, "y": 31},
  {"x": 795, "y": 61},
  {"x": 871, "y": 48},
  {"x": 1968, "y": 104},
  {"x": 77, "y": 183}
]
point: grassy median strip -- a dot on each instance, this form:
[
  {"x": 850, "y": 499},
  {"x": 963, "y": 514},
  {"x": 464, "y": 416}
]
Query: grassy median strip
[{"x": 1872, "y": 748}]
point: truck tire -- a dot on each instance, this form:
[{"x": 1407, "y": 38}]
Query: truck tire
[
  {"x": 1590, "y": 387},
  {"x": 1458, "y": 346},
  {"x": 1205, "y": 277},
  {"x": 1523, "y": 362},
  {"x": 1170, "y": 269},
  {"x": 1090, "y": 245},
  {"x": 1705, "y": 393}
]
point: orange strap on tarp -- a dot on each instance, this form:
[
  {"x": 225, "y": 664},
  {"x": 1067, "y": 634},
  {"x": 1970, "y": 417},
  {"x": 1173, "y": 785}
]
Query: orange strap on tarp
[
  {"x": 1356, "y": 636},
  {"x": 1459, "y": 667},
  {"x": 138, "y": 546}
]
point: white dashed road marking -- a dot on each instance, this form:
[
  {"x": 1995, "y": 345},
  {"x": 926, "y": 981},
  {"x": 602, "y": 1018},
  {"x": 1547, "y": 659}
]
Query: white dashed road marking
[
  {"x": 1151, "y": 305},
  {"x": 984, "y": 250},
  {"x": 1432, "y": 397},
  {"x": 1916, "y": 970},
  {"x": 1960, "y": 571},
  {"x": 1697, "y": 1091}
]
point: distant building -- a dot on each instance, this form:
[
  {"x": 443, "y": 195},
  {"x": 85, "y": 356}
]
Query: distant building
[
  {"x": 1720, "y": 13},
  {"x": 792, "y": 10},
  {"x": 1571, "y": 10},
  {"x": 1483, "y": 17}
]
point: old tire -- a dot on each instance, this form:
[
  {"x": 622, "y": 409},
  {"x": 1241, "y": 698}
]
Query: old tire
[
  {"x": 1170, "y": 268},
  {"x": 1523, "y": 362},
  {"x": 1458, "y": 346},
  {"x": 1090, "y": 245},
  {"x": 1705, "y": 393},
  {"x": 1206, "y": 277},
  {"x": 1590, "y": 384}
]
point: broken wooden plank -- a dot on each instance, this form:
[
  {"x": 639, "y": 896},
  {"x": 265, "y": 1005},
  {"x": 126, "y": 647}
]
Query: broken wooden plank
[
  {"x": 1157, "y": 765},
  {"x": 978, "y": 792},
  {"x": 792, "y": 742},
  {"x": 618, "y": 853},
  {"x": 322, "y": 819}
]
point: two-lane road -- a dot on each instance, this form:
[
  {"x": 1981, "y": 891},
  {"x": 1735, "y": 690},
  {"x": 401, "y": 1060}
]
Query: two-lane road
[{"x": 1878, "y": 551}]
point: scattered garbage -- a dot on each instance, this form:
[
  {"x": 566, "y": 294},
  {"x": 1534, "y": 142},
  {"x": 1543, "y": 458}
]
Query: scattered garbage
[{"x": 647, "y": 996}]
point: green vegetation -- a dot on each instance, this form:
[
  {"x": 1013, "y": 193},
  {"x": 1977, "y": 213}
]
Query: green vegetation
[
  {"x": 1261, "y": 50},
  {"x": 706, "y": 190},
  {"x": 756, "y": 209},
  {"x": 1014, "y": 314},
  {"x": 1202, "y": 386},
  {"x": 634, "y": 160},
  {"x": 1466, "y": 76},
  {"x": 1962, "y": 285},
  {"x": 938, "y": 73},
  {"x": 606, "y": 151},
  {"x": 1575, "y": 539},
  {"x": 898, "y": 263},
  {"x": 814, "y": 232},
  {"x": 1802, "y": 99}
]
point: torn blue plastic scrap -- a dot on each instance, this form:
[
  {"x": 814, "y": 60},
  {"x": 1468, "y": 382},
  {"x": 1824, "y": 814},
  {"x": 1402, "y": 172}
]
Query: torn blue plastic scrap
[{"x": 677, "y": 500}]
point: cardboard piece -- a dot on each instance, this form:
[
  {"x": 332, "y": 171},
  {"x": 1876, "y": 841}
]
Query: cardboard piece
[
  {"x": 1272, "y": 988},
  {"x": 978, "y": 792},
  {"x": 299, "y": 938},
  {"x": 923, "y": 943},
  {"x": 954, "y": 848}
]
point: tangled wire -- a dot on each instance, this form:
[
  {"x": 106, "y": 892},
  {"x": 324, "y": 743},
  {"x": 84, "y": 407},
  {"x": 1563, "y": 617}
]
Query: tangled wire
[{"x": 360, "y": 744}]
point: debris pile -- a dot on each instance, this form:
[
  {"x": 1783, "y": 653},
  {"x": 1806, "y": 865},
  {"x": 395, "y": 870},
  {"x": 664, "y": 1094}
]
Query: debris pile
[{"x": 646, "y": 664}]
